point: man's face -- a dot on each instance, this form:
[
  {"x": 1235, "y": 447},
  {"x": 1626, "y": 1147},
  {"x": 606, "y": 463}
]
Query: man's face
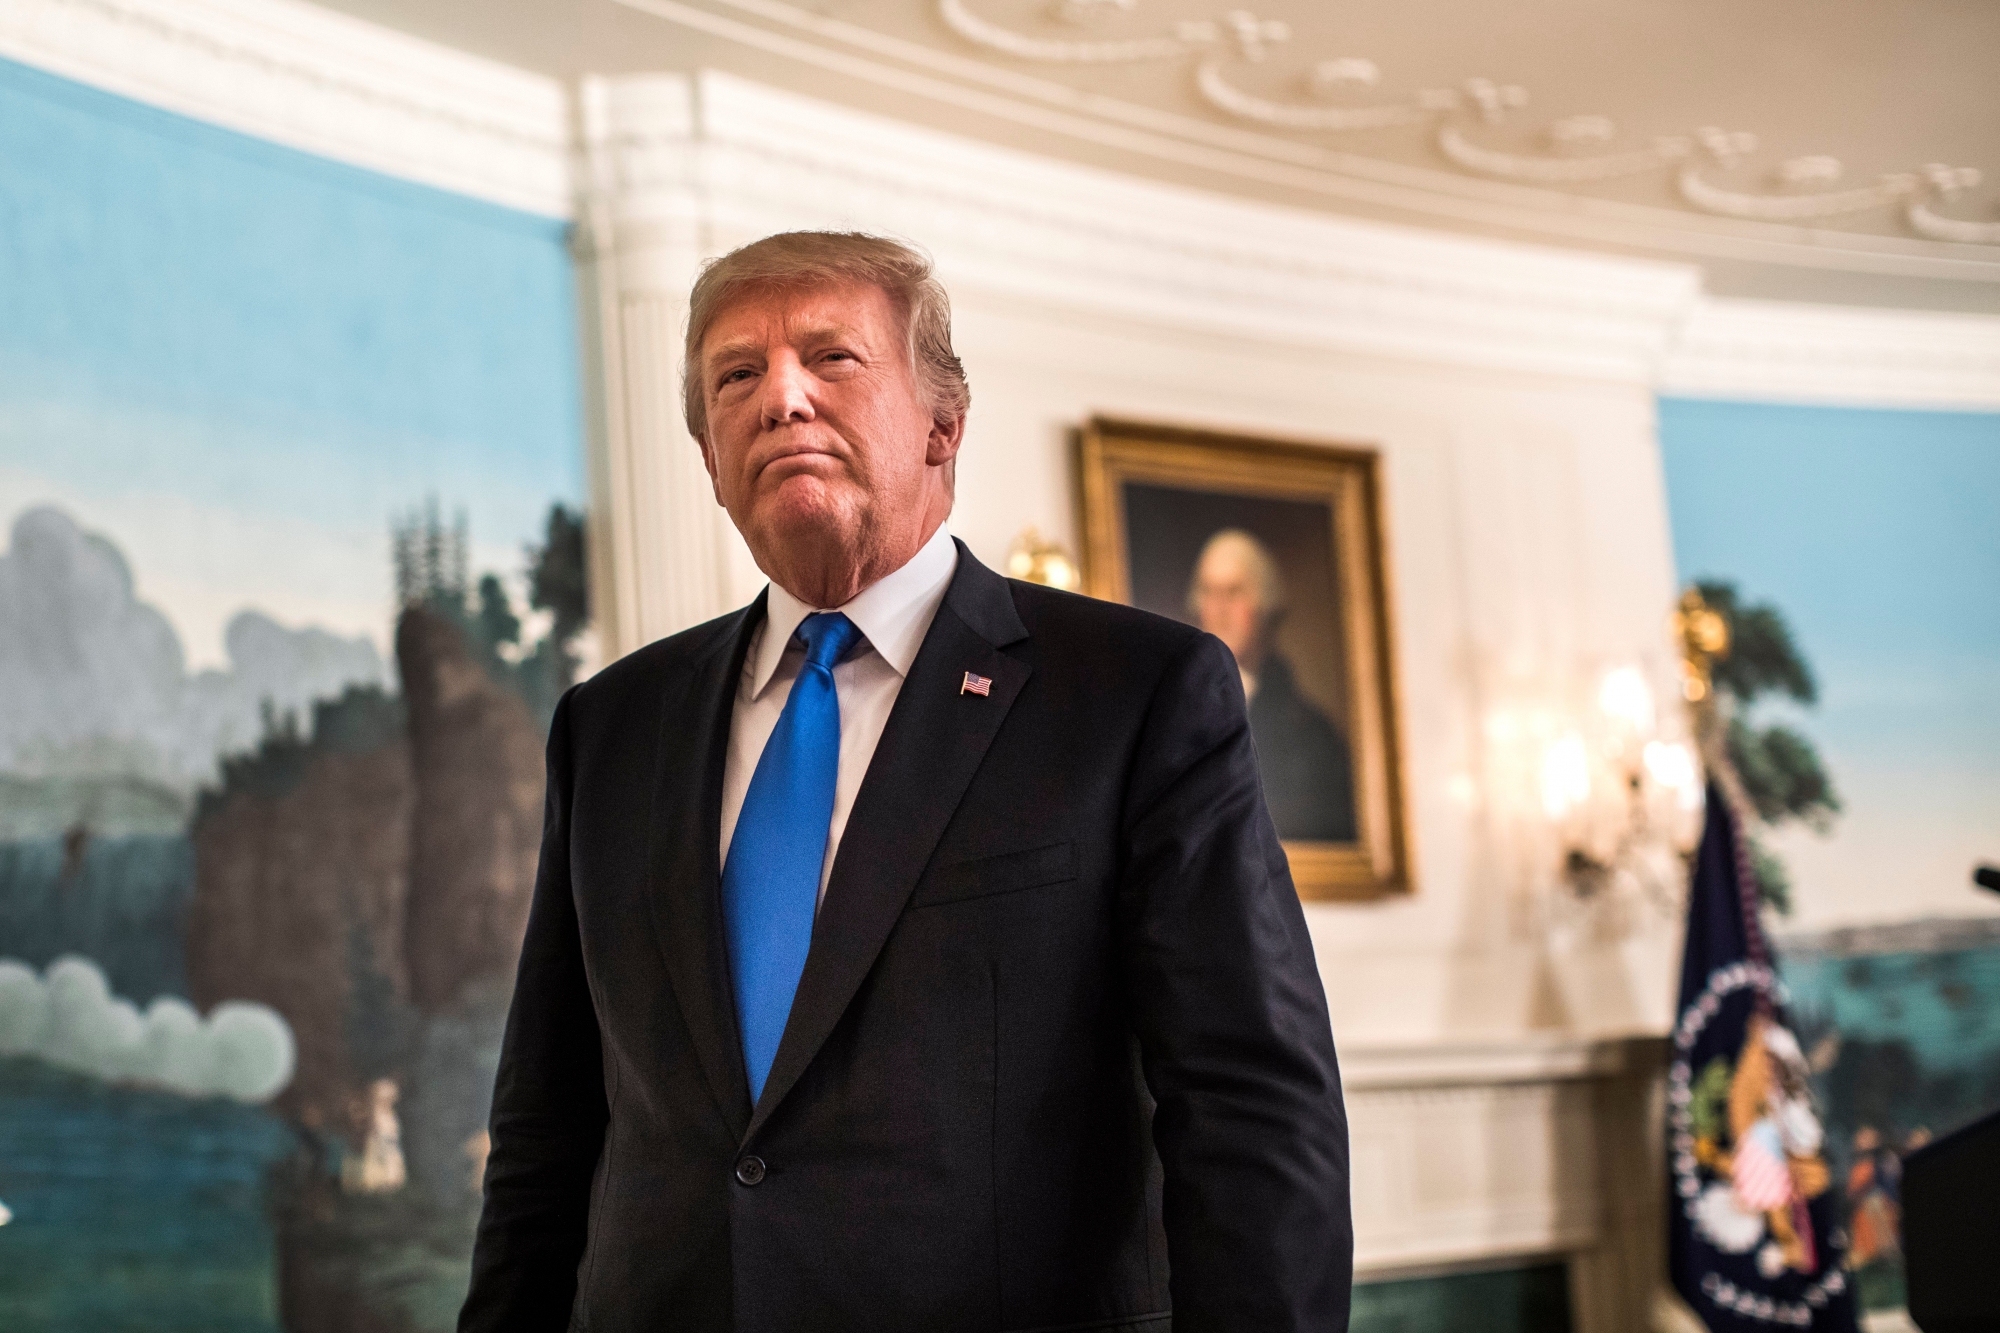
[
  {"x": 817, "y": 435},
  {"x": 1226, "y": 599}
]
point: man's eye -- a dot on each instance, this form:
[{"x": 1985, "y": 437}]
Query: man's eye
[{"x": 736, "y": 375}]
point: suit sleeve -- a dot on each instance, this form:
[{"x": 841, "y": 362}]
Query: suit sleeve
[
  {"x": 1232, "y": 1023},
  {"x": 548, "y": 1103}
]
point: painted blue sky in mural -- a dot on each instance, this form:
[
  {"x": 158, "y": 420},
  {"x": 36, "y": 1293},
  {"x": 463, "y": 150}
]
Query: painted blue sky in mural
[
  {"x": 238, "y": 361},
  {"x": 225, "y": 370},
  {"x": 1875, "y": 533}
]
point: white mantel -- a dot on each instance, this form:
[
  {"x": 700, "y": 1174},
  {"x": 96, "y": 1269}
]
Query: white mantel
[{"x": 1478, "y": 1153}]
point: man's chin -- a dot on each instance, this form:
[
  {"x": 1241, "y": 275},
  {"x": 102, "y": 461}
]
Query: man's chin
[{"x": 807, "y": 515}]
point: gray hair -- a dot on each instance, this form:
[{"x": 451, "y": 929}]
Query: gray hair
[
  {"x": 1257, "y": 559},
  {"x": 807, "y": 259}
]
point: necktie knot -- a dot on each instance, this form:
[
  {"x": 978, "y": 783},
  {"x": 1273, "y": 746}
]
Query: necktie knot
[{"x": 828, "y": 635}]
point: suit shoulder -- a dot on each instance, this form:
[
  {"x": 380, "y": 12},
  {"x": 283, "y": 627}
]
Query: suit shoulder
[{"x": 1069, "y": 620}]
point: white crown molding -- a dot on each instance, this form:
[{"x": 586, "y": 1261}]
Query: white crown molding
[
  {"x": 887, "y": 61},
  {"x": 1063, "y": 235},
  {"x": 1068, "y": 236},
  {"x": 1841, "y": 356},
  {"x": 1483, "y": 99},
  {"x": 304, "y": 77}
]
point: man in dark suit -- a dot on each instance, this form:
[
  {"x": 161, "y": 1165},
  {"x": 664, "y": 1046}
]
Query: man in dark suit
[{"x": 912, "y": 949}]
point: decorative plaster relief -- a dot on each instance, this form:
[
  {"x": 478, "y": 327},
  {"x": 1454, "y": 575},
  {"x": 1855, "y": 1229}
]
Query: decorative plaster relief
[
  {"x": 1220, "y": 92},
  {"x": 1067, "y": 51},
  {"x": 297, "y": 75},
  {"x": 1948, "y": 183},
  {"x": 1917, "y": 191},
  {"x": 1085, "y": 240},
  {"x": 1713, "y": 198},
  {"x": 1557, "y": 170},
  {"x": 1152, "y": 252}
]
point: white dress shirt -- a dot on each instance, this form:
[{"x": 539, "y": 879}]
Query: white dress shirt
[{"x": 893, "y": 615}]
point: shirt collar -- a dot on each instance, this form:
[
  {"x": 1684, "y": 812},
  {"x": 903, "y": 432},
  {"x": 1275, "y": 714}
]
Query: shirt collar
[{"x": 892, "y": 613}]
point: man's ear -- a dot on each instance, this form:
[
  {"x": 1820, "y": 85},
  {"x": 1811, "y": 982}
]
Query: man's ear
[
  {"x": 708, "y": 461},
  {"x": 945, "y": 439}
]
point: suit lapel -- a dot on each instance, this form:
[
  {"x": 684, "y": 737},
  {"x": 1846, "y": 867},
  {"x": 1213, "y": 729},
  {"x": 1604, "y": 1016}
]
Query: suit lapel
[
  {"x": 932, "y": 745},
  {"x": 684, "y": 857}
]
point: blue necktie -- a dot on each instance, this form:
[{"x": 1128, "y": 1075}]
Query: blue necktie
[{"x": 770, "y": 879}]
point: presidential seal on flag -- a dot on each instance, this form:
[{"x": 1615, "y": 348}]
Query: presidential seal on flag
[{"x": 1756, "y": 1244}]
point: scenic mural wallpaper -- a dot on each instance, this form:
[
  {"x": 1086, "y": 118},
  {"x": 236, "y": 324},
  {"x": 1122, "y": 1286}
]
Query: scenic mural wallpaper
[
  {"x": 1904, "y": 1023},
  {"x": 291, "y": 575}
]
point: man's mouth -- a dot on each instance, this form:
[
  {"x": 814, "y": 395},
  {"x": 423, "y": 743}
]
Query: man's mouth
[{"x": 796, "y": 459}]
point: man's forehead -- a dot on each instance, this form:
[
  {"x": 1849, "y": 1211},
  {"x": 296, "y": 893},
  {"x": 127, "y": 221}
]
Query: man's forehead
[{"x": 757, "y": 314}]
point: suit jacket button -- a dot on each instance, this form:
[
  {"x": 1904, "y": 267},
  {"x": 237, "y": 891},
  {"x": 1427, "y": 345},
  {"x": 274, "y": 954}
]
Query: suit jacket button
[{"x": 750, "y": 1171}]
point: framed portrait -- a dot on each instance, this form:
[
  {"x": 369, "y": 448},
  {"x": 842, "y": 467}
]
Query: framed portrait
[{"x": 1275, "y": 547}]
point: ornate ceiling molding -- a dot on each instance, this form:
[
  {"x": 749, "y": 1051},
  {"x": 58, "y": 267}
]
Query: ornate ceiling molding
[
  {"x": 1078, "y": 242},
  {"x": 1480, "y": 100},
  {"x": 1226, "y": 96},
  {"x": 846, "y": 49},
  {"x": 300, "y": 76},
  {"x": 1939, "y": 228},
  {"x": 1552, "y": 170},
  {"x": 1712, "y": 198},
  {"x": 1062, "y": 235},
  {"x": 1075, "y": 239},
  {"x": 1069, "y": 52}
]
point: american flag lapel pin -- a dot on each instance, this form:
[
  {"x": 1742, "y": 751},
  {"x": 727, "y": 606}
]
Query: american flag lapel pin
[{"x": 975, "y": 685}]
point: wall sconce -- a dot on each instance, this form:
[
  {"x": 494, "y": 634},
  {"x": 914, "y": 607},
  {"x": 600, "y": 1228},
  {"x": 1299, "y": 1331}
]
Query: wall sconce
[
  {"x": 1622, "y": 794},
  {"x": 1034, "y": 559}
]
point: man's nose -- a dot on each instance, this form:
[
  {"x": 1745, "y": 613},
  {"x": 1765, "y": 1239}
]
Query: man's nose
[{"x": 787, "y": 391}]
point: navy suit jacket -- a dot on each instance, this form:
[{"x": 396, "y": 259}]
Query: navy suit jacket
[{"x": 1059, "y": 1058}]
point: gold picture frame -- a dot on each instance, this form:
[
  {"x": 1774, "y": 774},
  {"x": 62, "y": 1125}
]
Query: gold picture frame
[{"x": 1153, "y": 499}]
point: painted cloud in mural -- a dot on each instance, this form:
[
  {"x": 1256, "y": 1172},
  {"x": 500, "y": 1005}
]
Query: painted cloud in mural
[
  {"x": 70, "y": 1018},
  {"x": 97, "y": 682}
]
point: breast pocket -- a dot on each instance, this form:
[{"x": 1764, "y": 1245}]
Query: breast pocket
[{"x": 1009, "y": 872}]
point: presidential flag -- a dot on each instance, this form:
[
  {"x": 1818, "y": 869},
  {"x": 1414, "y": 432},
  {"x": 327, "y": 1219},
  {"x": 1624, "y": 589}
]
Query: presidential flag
[{"x": 1752, "y": 1214}]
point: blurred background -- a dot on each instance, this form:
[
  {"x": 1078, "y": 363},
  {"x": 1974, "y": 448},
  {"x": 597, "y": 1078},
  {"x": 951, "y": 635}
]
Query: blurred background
[{"x": 339, "y": 433}]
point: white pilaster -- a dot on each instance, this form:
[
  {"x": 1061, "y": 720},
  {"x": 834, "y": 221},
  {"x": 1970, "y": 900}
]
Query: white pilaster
[{"x": 661, "y": 555}]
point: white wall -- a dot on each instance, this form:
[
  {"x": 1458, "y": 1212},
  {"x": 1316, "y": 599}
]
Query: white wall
[{"x": 1527, "y": 540}]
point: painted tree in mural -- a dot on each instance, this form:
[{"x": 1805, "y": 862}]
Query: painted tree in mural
[
  {"x": 432, "y": 567},
  {"x": 1778, "y": 771},
  {"x": 369, "y": 877}
]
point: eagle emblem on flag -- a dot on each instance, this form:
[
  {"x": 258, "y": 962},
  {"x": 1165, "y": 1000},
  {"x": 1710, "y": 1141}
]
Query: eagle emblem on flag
[
  {"x": 1755, "y": 1244},
  {"x": 1757, "y": 1152}
]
